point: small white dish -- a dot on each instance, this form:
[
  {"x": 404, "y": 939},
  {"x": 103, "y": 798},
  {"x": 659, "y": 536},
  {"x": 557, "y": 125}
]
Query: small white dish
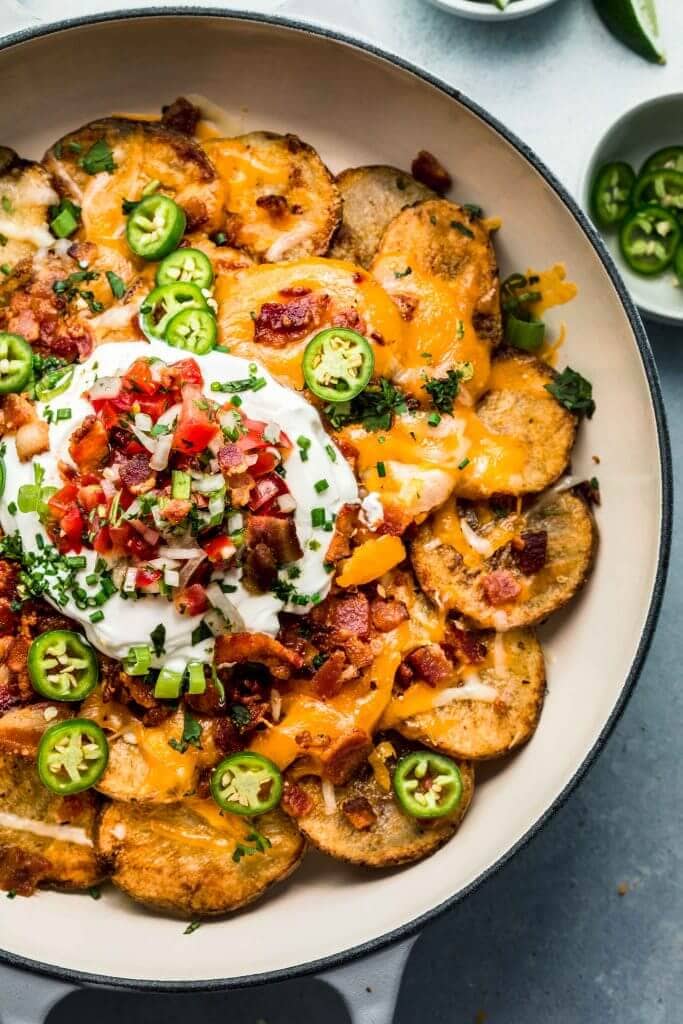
[
  {"x": 637, "y": 134},
  {"x": 486, "y": 10}
]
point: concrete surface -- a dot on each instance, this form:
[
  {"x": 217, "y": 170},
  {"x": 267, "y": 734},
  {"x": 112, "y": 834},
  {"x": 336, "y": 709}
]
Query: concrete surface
[{"x": 586, "y": 924}]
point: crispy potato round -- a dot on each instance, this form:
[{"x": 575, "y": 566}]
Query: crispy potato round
[
  {"x": 392, "y": 838},
  {"x": 26, "y": 193},
  {"x": 181, "y": 857},
  {"x": 478, "y": 729},
  {"x": 45, "y": 839},
  {"x": 518, "y": 405},
  {"x": 496, "y": 592},
  {"x": 281, "y": 202},
  {"x": 372, "y": 197}
]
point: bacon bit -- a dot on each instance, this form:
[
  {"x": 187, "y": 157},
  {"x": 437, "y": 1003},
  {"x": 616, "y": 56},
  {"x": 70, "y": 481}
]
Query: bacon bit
[
  {"x": 359, "y": 812},
  {"x": 296, "y": 291},
  {"x": 345, "y": 527},
  {"x": 278, "y": 535},
  {"x": 404, "y": 676},
  {"x": 240, "y": 489},
  {"x": 431, "y": 664},
  {"x": 343, "y": 758},
  {"x": 21, "y": 871},
  {"x": 534, "y": 552},
  {"x": 466, "y": 645},
  {"x": 175, "y": 510},
  {"x": 387, "y": 615},
  {"x": 136, "y": 474},
  {"x": 329, "y": 679},
  {"x": 232, "y": 460},
  {"x": 407, "y": 305},
  {"x": 279, "y": 323},
  {"x": 260, "y": 569},
  {"x": 192, "y": 600},
  {"x": 500, "y": 587},
  {"x": 350, "y": 616},
  {"x": 89, "y": 445},
  {"x": 377, "y": 760},
  {"x": 276, "y": 206},
  {"x": 17, "y": 411},
  {"x": 295, "y": 801},
  {"x": 351, "y": 319},
  {"x": 232, "y": 648},
  {"x": 427, "y": 169},
  {"x": 181, "y": 116},
  {"x": 8, "y": 618}
]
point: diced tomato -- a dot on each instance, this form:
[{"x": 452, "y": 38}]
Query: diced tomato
[
  {"x": 184, "y": 372},
  {"x": 72, "y": 525},
  {"x": 90, "y": 496},
  {"x": 265, "y": 463},
  {"x": 60, "y": 502},
  {"x": 266, "y": 489},
  {"x": 251, "y": 441},
  {"x": 102, "y": 541},
  {"x": 219, "y": 549},
  {"x": 153, "y": 405},
  {"x": 127, "y": 541},
  {"x": 195, "y": 429},
  {"x": 192, "y": 600},
  {"x": 147, "y": 577},
  {"x": 139, "y": 376}
]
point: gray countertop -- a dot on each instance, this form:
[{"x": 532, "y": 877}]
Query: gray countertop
[{"x": 586, "y": 923}]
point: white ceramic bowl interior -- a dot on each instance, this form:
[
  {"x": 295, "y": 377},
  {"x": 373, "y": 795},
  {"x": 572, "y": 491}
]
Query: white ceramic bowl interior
[
  {"x": 356, "y": 108},
  {"x": 486, "y": 10},
  {"x": 635, "y": 136}
]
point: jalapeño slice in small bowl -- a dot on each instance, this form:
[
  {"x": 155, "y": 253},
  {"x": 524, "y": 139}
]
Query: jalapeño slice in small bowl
[
  {"x": 661, "y": 188},
  {"x": 62, "y": 665},
  {"x": 187, "y": 265},
  {"x": 427, "y": 785},
  {"x": 649, "y": 238},
  {"x": 163, "y": 303},
  {"x": 338, "y": 363},
  {"x": 72, "y": 756},
  {"x": 155, "y": 227},
  {"x": 671, "y": 157},
  {"x": 16, "y": 362},
  {"x": 246, "y": 783},
  {"x": 192, "y": 329},
  {"x": 611, "y": 192}
]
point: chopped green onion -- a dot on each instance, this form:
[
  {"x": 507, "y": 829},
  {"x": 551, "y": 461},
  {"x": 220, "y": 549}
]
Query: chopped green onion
[
  {"x": 168, "y": 684},
  {"x": 304, "y": 444},
  {"x": 433, "y": 419},
  {"x": 63, "y": 414},
  {"x": 196, "y": 677},
  {"x": 317, "y": 517},
  {"x": 463, "y": 464},
  {"x": 138, "y": 661},
  {"x": 97, "y": 616},
  {"x": 320, "y": 486},
  {"x": 331, "y": 452},
  {"x": 181, "y": 484},
  {"x": 381, "y": 469}
]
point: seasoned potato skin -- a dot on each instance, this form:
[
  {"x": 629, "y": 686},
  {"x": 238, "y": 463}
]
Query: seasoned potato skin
[
  {"x": 372, "y": 197},
  {"x": 261, "y": 210},
  {"x": 571, "y": 545},
  {"x": 478, "y": 730},
  {"x": 394, "y": 839},
  {"x": 27, "y": 860},
  {"x": 27, "y": 191},
  {"x": 170, "y": 858}
]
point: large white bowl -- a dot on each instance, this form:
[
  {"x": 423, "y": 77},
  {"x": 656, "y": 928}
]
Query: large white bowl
[
  {"x": 476, "y": 10},
  {"x": 357, "y": 106}
]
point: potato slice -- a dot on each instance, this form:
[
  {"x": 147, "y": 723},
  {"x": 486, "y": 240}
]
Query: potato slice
[
  {"x": 518, "y": 405},
  {"x": 44, "y": 839},
  {"x": 134, "y": 155},
  {"x": 181, "y": 857},
  {"x": 508, "y": 690},
  {"x": 437, "y": 262},
  {"x": 512, "y": 586},
  {"x": 372, "y": 197},
  {"x": 26, "y": 193},
  {"x": 394, "y": 837},
  {"x": 281, "y": 202}
]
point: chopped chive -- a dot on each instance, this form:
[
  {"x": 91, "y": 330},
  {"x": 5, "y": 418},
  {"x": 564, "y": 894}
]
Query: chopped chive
[
  {"x": 97, "y": 616},
  {"x": 63, "y": 414},
  {"x": 317, "y": 517},
  {"x": 433, "y": 419},
  {"x": 331, "y": 452},
  {"x": 463, "y": 464},
  {"x": 314, "y": 544},
  {"x": 320, "y": 486},
  {"x": 304, "y": 444},
  {"x": 381, "y": 469}
]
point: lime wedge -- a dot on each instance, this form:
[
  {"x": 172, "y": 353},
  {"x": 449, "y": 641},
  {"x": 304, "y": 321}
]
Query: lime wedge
[
  {"x": 634, "y": 22},
  {"x": 501, "y": 4}
]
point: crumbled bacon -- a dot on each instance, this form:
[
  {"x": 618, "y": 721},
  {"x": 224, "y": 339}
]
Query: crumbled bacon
[
  {"x": 430, "y": 664},
  {"x": 181, "y": 116},
  {"x": 427, "y": 169},
  {"x": 232, "y": 648},
  {"x": 279, "y": 323},
  {"x": 350, "y": 616},
  {"x": 531, "y": 557},
  {"x": 387, "y": 615},
  {"x": 350, "y": 318},
  {"x": 232, "y": 460},
  {"x": 89, "y": 444},
  {"x": 295, "y": 801},
  {"x": 500, "y": 587},
  {"x": 276, "y": 206},
  {"x": 344, "y": 756},
  {"x": 344, "y": 528},
  {"x": 330, "y": 677},
  {"x": 175, "y": 510},
  {"x": 466, "y": 645},
  {"x": 260, "y": 568},
  {"x": 407, "y": 305},
  {"x": 279, "y": 535},
  {"x": 359, "y": 812},
  {"x": 196, "y": 213}
]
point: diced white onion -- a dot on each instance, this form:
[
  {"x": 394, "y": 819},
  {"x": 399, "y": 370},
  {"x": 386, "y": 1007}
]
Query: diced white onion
[
  {"x": 130, "y": 579},
  {"x": 143, "y": 421},
  {"x": 111, "y": 472},
  {"x": 235, "y": 522},
  {"x": 215, "y": 621},
  {"x": 479, "y": 544},
  {"x": 181, "y": 553},
  {"x": 223, "y": 603},
  {"x": 108, "y": 488},
  {"x": 163, "y": 563},
  {"x": 169, "y": 417},
  {"x": 105, "y": 388},
  {"x": 162, "y": 452},
  {"x": 229, "y": 419},
  {"x": 171, "y": 577},
  {"x": 217, "y": 505},
  {"x": 286, "y": 503},
  {"x": 329, "y": 799},
  {"x": 275, "y": 705},
  {"x": 190, "y": 568},
  {"x": 147, "y": 442},
  {"x": 208, "y": 484},
  {"x": 271, "y": 433}
]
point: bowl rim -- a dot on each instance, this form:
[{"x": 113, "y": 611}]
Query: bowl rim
[
  {"x": 586, "y": 178},
  {"x": 475, "y": 10},
  {"x": 415, "y": 925}
]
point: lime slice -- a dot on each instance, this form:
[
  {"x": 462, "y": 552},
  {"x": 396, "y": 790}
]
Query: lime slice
[{"x": 634, "y": 22}]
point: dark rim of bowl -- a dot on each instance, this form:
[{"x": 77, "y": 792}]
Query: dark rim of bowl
[{"x": 416, "y": 924}]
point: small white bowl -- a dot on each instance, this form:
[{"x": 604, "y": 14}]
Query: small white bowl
[
  {"x": 637, "y": 134},
  {"x": 479, "y": 10}
]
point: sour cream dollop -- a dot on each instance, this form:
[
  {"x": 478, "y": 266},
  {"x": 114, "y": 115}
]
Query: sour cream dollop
[{"x": 128, "y": 622}]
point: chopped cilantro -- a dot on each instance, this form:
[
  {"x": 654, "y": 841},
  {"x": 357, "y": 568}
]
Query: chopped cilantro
[
  {"x": 158, "y": 638},
  {"x": 192, "y": 734},
  {"x": 573, "y": 391},
  {"x": 240, "y": 716},
  {"x": 444, "y": 390},
  {"x": 374, "y": 407},
  {"x": 260, "y": 843},
  {"x": 118, "y": 288},
  {"x": 192, "y": 927},
  {"x": 462, "y": 228},
  {"x": 98, "y": 158}
]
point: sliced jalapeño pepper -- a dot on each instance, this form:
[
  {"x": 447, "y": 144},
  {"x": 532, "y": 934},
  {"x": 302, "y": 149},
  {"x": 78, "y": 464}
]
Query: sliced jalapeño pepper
[
  {"x": 72, "y": 756},
  {"x": 187, "y": 265},
  {"x": 62, "y": 665},
  {"x": 661, "y": 188},
  {"x": 155, "y": 227},
  {"x": 427, "y": 785},
  {"x": 16, "y": 362},
  {"x": 246, "y": 783},
  {"x": 162, "y": 304},
  {"x": 192, "y": 329},
  {"x": 678, "y": 267},
  {"x": 54, "y": 383},
  {"x": 649, "y": 238},
  {"x": 671, "y": 157},
  {"x": 338, "y": 363},
  {"x": 610, "y": 193}
]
